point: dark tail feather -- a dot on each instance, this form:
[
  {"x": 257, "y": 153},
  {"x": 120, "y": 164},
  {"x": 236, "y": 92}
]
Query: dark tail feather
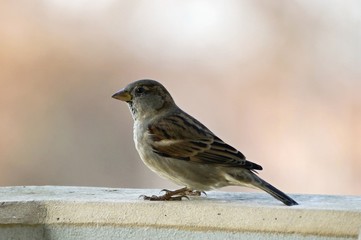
[{"x": 265, "y": 186}]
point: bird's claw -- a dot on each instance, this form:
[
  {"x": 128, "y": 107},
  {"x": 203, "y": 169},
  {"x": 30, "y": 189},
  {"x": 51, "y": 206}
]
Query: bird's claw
[
  {"x": 164, "y": 197},
  {"x": 166, "y": 191},
  {"x": 175, "y": 195}
]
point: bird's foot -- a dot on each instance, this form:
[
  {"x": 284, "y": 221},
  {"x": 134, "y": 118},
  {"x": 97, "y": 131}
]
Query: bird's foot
[
  {"x": 164, "y": 197},
  {"x": 185, "y": 192},
  {"x": 175, "y": 195}
]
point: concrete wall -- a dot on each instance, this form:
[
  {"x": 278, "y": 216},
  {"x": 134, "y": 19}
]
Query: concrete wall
[{"x": 50, "y": 212}]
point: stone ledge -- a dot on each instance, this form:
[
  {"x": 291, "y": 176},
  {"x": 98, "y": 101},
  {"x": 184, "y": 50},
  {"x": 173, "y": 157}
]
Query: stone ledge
[{"x": 317, "y": 215}]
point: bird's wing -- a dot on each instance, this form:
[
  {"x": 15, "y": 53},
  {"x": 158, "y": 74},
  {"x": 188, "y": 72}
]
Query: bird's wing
[{"x": 182, "y": 137}]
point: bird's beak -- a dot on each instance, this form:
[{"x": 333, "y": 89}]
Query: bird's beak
[{"x": 122, "y": 95}]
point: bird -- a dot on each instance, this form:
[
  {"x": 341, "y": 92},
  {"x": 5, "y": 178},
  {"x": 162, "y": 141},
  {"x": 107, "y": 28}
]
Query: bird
[{"x": 179, "y": 148}]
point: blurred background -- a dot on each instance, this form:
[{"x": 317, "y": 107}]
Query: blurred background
[{"x": 279, "y": 80}]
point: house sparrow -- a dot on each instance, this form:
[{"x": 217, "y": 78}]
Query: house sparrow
[{"x": 180, "y": 148}]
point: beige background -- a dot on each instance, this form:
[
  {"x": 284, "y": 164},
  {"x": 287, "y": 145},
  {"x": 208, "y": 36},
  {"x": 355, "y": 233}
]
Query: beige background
[{"x": 279, "y": 80}]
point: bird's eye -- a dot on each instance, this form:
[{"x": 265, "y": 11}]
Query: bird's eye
[{"x": 140, "y": 90}]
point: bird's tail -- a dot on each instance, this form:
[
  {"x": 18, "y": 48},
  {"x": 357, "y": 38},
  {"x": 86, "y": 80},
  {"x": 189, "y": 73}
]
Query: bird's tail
[{"x": 278, "y": 194}]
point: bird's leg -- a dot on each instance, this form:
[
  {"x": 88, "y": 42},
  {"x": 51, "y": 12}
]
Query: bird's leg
[
  {"x": 175, "y": 195},
  {"x": 185, "y": 192}
]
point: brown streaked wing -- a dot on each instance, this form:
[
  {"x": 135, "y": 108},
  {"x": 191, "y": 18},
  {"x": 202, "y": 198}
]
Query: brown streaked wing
[{"x": 183, "y": 137}]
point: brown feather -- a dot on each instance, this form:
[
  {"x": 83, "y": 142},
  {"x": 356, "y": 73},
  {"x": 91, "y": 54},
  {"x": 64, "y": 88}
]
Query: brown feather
[{"x": 197, "y": 144}]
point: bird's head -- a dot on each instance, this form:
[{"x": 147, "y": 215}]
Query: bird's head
[{"x": 145, "y": 98}]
